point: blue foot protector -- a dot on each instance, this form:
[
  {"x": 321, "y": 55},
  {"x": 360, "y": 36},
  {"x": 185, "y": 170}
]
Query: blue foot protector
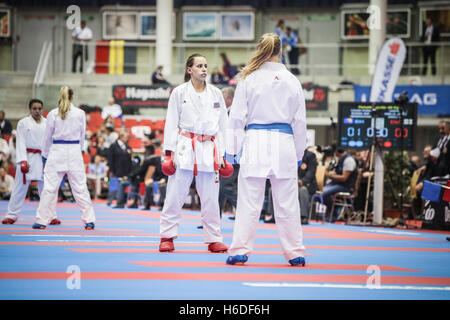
[
  {"x": 297, "y": 262},
  {"x": 89, "y": 226},
  {"x": 237, "y": 259},
  {"x": 38, "y": 226}
]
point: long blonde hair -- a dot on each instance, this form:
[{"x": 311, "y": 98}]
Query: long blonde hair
[
  {"x": 65, "y": 95},
  {"x": 269, "y": 45}
]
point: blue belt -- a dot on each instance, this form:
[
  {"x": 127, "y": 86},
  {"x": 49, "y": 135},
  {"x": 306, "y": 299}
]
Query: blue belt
[
  {"x": 66, "y": 141},
  {"x": 280, "y": 127}
]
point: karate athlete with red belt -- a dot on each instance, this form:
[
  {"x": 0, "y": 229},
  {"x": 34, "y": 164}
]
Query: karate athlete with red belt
[
  {"x": 194, "y": 147},
  {"x": 63, "y": 141},
  {"x": 29, "y": 138},
  {"x": 267, "y": 121}
]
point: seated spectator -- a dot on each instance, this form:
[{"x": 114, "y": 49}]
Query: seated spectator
[
  {"x": 307, "y": 184},
  {"x": 6, "y": 184},
  {"x": 157, "y": 76},
  {"x": 12, "y": 147},
  {"x": 96, "y": 172},
  {"x": 5, "y": 125},
  {"x": 112, "y": 109},
  {"x": 342, "y": 178},
  {"x": 414, "y": 164},
  {"x": 153, "y": 178},
  {"x": 119, "y": 163},
  {"x": 217, "y": 77},
  {"x": 434, "y": 168},
  {"x": 4, "y": 147}
]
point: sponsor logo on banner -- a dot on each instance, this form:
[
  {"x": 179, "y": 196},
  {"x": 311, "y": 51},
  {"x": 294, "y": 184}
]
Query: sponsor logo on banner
[
  {"x": 138, "y": 96},
  {"x": 389, "y": 64},
  {"x": 316, "y": 97},
  {"x": 431, "y": 99}
]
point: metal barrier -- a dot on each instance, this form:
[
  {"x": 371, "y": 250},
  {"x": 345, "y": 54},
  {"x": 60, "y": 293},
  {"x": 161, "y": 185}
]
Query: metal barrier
[
  {"x": 412, "y": 66},
  {"x": 42, "y": 66}
]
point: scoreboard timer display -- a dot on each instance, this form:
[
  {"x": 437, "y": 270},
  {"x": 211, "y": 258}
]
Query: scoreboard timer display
[{"x": 360, "y": 121}]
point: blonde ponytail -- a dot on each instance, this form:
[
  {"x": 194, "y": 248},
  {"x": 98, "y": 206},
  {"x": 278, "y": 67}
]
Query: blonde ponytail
[
  {"x": 65, "y": 95},
  {"x": 269, "y": 45}
]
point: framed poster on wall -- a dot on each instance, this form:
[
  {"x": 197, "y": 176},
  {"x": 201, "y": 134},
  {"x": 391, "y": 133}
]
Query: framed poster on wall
[
  {"x": 440, "y": 18},
  {"x": 147, "y": 24},
  {"x": 5, "y": 23},
  {"x": 200, "y": 26},
  {"x": 237, "y": 26},
  {"x": 354, "y": 24},
  {"x": 120, "y": 25}
]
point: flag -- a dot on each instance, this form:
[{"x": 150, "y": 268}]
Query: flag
[{"x": 431, "y": 191}]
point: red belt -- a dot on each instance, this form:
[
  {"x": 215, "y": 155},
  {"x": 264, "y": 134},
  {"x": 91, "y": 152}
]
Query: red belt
[
  {"x": 201, "y": 138},
  {"x": 29, "y": 150},
  {"x": 33, "y": 150}
]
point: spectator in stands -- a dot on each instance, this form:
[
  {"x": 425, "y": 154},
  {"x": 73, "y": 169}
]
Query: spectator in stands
[
  {"x": 5, "y": 124},
  {"x": 217, "y": 77},
  {"x": 434, "y": 168},
  {"x": 414, "y": 164},
  {"x": 80, "y": 36},
  {"x": 430, "y": 35},
  {"x": 6, "y": 184},
  {"x": 280, "y": 31},
  {"x": 112, "y": 109},
  {"x": 307, "y": 184},
  {"x": 111, "y": 135},
  {"x": 343, "y": 178},
  {"x": 227, "y": 69},
  {"x": 292, "y": 49},
  {"x": 102, "y": 150},
  {"x": 442, "y": 142},
  {"x": 4, "y": 148},
  {"x": 153, "y": 178},
  {"x": 158, "y": 77},
  {"x": 135, "y": 179},
  {"x": 96, "y": 172},
  {"x": 119, "y": 163}
]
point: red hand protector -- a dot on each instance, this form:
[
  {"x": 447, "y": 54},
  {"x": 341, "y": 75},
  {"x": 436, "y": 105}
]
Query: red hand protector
[
  {"x": 226, "y": 171},
  {"x": 168, "y": 167}
]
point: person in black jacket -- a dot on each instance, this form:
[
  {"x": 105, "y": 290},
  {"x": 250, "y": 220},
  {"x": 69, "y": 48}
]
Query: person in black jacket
[
  {"x": 5, "y": 124},
  {"x": 153, "y": 177},
  {"x": 119, "y": 162},
  {"x": 430, "y": 35},
  {"x": 307, "y": 184}
]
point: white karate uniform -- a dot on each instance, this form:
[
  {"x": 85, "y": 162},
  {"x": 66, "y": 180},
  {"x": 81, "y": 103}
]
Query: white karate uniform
[
  {"x": 270, "y": 94},
  {"x": 203, "y": 113},
  {"x": 30, "y": 135},
  {"x": 64, "y": 159}
]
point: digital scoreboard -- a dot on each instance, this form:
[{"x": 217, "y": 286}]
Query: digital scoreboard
[{"x": 360, "y": 121}]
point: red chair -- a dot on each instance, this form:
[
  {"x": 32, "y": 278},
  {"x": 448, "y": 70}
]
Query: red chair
[
  {"x": 131, "y": 123},
  {"x": 135, "y": 143},
  {"x": 118, "y": 122},
  {"x": 146, "y": 122},
  {"x": 6, "y": 136},
  {"x": 159, "y": 125},
  {"x": 45, "y": 113}
]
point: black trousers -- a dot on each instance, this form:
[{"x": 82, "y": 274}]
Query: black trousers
[
  {"x": 77, "y": 52},
  {"x": 429, "y": 53}
]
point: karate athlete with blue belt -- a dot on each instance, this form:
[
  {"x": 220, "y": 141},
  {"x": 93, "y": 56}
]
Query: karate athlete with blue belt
[
  {"x": 61, "y": 152},
  {"x": 267, "y": 121}
]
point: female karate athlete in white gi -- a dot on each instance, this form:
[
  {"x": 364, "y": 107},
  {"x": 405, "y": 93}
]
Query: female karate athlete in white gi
[
  {"x": 29, "y": 139},
  {"x": 268, "y": 121},
  {"x": 63, "y": 142},
  {"x": 194, "y": 146}
]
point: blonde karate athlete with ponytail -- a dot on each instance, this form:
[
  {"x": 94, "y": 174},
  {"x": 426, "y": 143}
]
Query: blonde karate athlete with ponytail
[
  {"x": 61, "y": 152},
  {"x": 267, "y": 121},
  {"x": 194, "y": 146}
]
